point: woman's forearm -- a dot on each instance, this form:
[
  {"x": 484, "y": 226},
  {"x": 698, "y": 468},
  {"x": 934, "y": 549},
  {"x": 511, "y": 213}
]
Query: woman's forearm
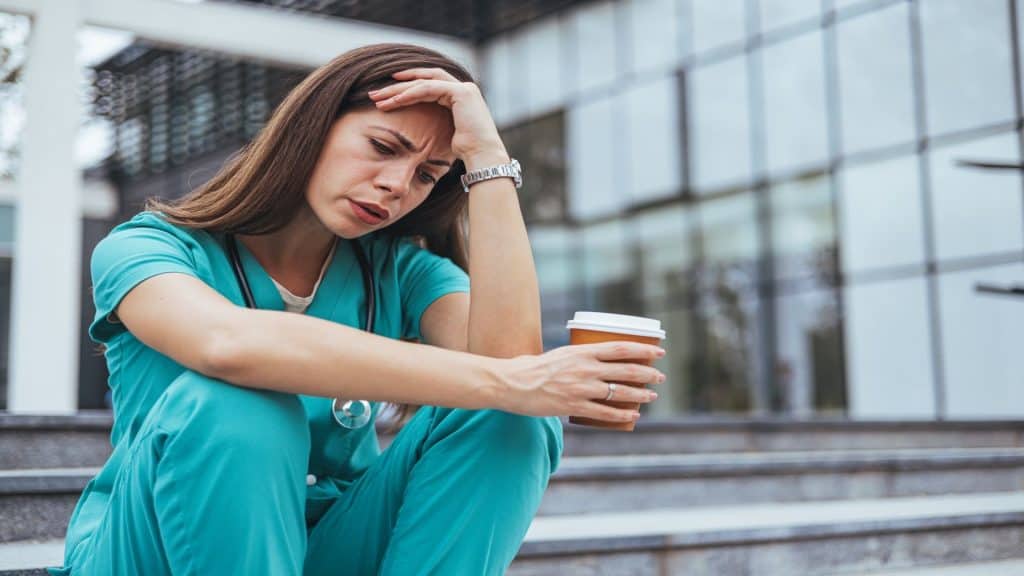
[
  {"x": 307, "y": 355},
  {"x": 504, "y": 310}
]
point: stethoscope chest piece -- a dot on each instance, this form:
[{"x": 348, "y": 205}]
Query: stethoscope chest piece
[{"x": 352, "y": 414}]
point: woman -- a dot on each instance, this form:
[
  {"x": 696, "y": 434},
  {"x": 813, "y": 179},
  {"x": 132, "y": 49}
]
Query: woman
[{"x": 232, "y": 324}]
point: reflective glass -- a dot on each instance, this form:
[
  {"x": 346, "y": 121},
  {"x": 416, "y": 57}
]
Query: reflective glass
[
  {"x": 881, "y": 214},
  {"x": 967, "y": 63},
  {"x": 543, "y": 47},
  {"x": 718, "y": 23},
  {"x": 675, "y": 395},
  {"x": 731, "y": 337},
  {"x": 981, "y": 336},
  {"x": 540, "y": 148},
  {"x": 888, "y": 349},
  {"x": 593, "y": 189},
  {"x": 803, "y": 230},
  {"x": 976, "y": 212},
  {"x": 664, "y": 255},
  {"x": 780, "y": 13},
  {"x": 654, "y": 38},
  {"x": 654, "y": 155},
  {"x": 718, "y": 118},
  {"x": 559, "y": 274},
  {"x": 595, "y": 45},
  {"x": 808, "y": 354},
  {"x": 875, "y": 79},
  {"x": 609, "y": 268},
  {"x": 795, "y": 127}
]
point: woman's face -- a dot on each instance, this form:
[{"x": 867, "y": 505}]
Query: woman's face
[{"x": 388, "y": 162}]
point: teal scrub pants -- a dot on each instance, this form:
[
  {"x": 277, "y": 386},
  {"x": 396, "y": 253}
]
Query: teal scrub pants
[{"x": 215, "y": 483}]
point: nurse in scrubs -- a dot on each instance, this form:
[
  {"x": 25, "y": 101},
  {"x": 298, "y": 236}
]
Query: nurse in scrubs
[{"x": 245, "y": 385}]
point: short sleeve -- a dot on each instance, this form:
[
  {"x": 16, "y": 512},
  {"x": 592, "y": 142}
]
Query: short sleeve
[
  {"x": 424, "y": 277},
  {"x": 137, "y": 250}
]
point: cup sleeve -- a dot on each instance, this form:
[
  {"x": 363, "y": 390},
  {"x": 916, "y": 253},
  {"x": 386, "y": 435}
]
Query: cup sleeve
[
  {"x": 423, "y": 277},
  {"x": 124, "y": 259}
]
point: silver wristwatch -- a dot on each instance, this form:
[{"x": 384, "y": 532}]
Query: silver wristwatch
[{"x": 510, "y": 170}]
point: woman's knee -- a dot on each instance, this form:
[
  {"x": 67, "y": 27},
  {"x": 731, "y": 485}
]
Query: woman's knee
[
  {"x": 247, "y": 420},
  {"x": 516, "y": 436}
]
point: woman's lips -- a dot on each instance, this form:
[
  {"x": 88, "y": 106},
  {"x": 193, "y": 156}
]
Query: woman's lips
[{"x": 365, "y": 215}]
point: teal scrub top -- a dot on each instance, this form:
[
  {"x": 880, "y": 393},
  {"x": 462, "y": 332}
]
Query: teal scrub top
[{"x": 409, "y": 278}]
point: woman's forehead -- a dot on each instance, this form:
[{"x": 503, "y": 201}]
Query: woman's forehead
[{"x": 419, "y": 125}]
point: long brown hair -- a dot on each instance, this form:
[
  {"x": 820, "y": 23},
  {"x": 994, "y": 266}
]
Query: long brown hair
[{"x": 262, "y": 187}]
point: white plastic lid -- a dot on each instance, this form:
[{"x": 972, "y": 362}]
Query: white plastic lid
[{"x": 621, "y": 323}]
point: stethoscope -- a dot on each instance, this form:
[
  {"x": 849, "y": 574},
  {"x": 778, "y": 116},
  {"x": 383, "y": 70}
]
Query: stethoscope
[{"x": 353, "y": 413}]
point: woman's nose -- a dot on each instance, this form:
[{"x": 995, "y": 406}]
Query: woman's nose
[{"x": 396, "y": 178}]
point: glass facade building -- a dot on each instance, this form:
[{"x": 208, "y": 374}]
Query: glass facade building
[{"x": 781, "y": 182}]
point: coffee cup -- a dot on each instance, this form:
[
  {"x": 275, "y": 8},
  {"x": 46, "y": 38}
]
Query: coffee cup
[{"x": 593, "y": 327}]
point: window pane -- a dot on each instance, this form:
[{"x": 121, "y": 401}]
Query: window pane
[
  {"x": 654, "y": 154},
  {"x": 676, "y": 394},
  {"x": 967, "y": 64},
  {"x": 875, "y": 79},
  {"x": 976, "y": 212},
  {"x": 779, "y": 13},
  {"x": 803, "y": 230},
  {"x": 664, "y": 255},
  {"x": 729, "y": 234},
  {"x": 609, "y": 269},
  {"x": 653, "y": 34},
  {"x": 795, "y": 129},
  {"x": 888, "y": 350},
  {"x": 881, "y": 213},
  {"x": 809, "y": 355},
  {"x": 981, "y": 338},
  {"x": 542, "y": 44},
  {"x": 718, "y": 23},
  {"x": 718, "y": 117},
  {"x": 539, "y": 147},
  {"x": 595, "y": 45},
  {"x": 559, "y": 274},
  {"x": 729, "y": 369},
  {"x": 592, "y": 167}
]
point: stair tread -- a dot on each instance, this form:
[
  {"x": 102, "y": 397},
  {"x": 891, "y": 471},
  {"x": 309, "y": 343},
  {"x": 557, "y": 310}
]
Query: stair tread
[
  {"x": 686, "y": 524},
  {"x": 696, "y": 525},
  {"x": 994, "y": 568}
]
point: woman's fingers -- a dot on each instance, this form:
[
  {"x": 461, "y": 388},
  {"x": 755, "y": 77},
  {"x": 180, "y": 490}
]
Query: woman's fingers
[
  {"x": 626, "y": 350},
  {"x": 623, "y": 393},
  {"x": 406, "y": 93},
  {"x": 427, "y": 73}
]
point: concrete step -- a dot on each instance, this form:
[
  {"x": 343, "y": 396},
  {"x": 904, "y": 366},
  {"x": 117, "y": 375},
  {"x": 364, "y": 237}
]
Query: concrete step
[
  {"x": 83, "y": 439},
  {"x": 938, "y": 536},
  {"x": 806, "y": 538},
  {"x": 594, "y": 484},
  {"x": 998, "y": 568},
  {"x": 37, "y": 503}
]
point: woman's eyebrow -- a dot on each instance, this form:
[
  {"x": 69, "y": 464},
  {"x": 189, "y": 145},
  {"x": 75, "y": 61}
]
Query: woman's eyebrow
[{"x": 409, "y": 145}]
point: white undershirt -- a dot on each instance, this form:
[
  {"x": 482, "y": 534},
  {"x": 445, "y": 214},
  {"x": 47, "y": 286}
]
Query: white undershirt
[{"x": 293, "y": 303}]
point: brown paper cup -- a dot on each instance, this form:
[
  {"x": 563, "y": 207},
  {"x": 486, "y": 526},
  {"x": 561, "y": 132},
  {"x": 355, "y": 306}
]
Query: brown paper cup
[{"x": 606, "y": 334}]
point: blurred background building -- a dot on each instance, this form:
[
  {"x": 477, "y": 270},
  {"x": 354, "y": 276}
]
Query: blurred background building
[{"x": 777, "y": 180}]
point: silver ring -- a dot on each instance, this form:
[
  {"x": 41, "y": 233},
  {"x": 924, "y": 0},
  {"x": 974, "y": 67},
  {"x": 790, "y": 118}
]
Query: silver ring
[{"x": 611, "y": 391}]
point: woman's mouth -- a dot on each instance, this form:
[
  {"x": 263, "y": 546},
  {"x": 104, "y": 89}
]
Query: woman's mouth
[{"x": 367, "y": 214}]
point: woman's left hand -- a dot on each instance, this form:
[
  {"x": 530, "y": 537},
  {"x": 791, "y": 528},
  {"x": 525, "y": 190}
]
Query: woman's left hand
[{"x": 476, "y": 137}]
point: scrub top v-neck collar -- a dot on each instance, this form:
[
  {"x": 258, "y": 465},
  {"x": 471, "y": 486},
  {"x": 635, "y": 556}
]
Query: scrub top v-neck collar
[{"x": 337, "y": 277}]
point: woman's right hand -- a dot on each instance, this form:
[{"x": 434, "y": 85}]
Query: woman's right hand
[{"x": 567, "y": 381}]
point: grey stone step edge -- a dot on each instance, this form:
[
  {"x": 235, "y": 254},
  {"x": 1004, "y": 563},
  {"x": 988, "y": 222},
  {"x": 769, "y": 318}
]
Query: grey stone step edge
[
  {"x": 596, "y": 468},
  {"x": 681, "y": 528},
  {"x": 102, "y": 420}
]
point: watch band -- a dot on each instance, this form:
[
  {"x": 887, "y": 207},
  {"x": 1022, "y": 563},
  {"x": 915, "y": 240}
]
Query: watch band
[{"x": 511, "y": 170}]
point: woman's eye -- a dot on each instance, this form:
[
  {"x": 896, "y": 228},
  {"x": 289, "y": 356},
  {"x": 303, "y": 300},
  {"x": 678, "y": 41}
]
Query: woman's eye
[
  {"x": 381, "y": 148},
  {"x": 427, "y": 178}
]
